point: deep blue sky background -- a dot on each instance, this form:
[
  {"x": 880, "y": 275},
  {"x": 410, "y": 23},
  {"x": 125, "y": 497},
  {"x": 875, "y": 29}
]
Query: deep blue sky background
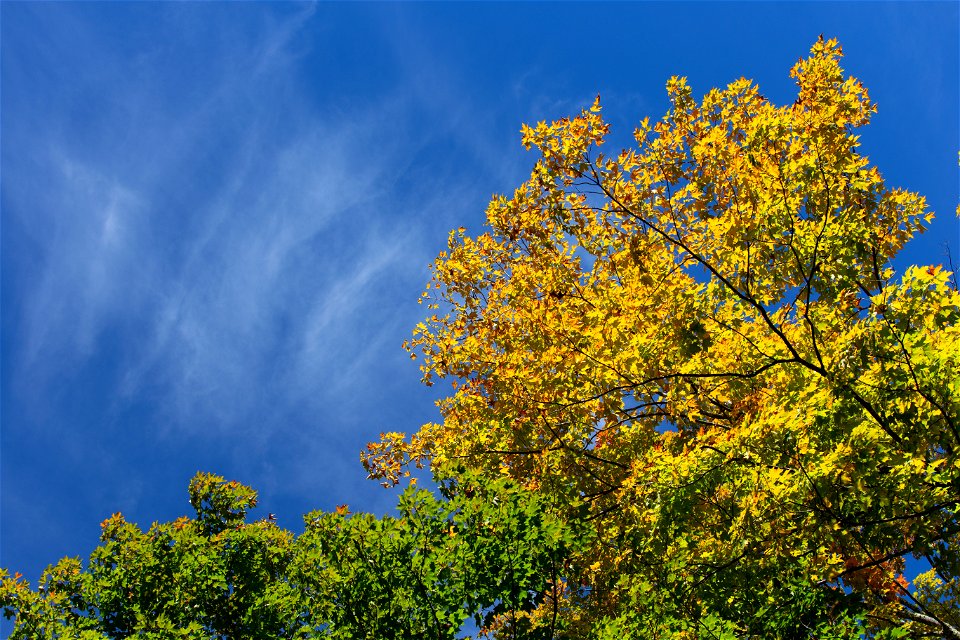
[{"x": 217, "y": 218}]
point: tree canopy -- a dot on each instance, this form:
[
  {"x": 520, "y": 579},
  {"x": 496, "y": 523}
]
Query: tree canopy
[
  {"x": 704, "y": 338},
  {"x": 692, "y": 397},
  {"x": 481, "y": 552}
]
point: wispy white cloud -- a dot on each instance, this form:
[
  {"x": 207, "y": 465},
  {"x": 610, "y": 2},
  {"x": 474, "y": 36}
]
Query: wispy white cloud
[
  {"x": 259, "y": 265},
  {"x": 270, "y": 276},
  {"x": 76, "y": 292},
  {"x": 238, "y": 259}
]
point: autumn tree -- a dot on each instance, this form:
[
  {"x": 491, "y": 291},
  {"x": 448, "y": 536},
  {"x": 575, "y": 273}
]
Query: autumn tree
[
  {"x": 480, "y": 551},
  {"x": 705, "y": 339}
]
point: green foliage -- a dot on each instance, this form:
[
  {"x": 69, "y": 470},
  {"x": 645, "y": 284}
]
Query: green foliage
[
  {"x": 480, "y": 551},
  {"x": 220, "y": 504}
]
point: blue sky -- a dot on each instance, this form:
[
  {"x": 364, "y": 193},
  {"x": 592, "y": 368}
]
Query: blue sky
[{"x": 217, "y": 218}]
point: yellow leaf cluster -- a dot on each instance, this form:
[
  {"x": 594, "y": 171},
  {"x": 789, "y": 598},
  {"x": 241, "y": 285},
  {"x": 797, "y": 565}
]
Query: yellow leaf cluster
[{"x": 703, "y": 337}]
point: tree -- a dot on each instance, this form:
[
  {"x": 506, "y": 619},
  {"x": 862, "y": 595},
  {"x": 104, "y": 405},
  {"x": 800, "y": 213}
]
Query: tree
[
  {"x": 705, "y": 340},
  {"x": 484, "y": 550}
]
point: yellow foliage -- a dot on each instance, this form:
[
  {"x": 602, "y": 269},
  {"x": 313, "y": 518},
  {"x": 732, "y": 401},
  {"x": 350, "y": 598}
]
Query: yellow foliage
[{"x": 704, "y": 338}]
